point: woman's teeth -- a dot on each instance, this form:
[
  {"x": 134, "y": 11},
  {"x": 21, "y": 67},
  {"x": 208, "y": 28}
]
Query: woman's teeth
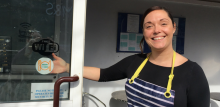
[{"x": 158, "y": 38}]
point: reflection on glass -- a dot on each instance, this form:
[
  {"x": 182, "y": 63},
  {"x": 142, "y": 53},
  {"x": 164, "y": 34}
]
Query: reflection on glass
[{"x": 32, "y": 30}]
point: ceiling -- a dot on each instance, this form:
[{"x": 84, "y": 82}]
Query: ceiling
[{"x": 211, "y": 3}]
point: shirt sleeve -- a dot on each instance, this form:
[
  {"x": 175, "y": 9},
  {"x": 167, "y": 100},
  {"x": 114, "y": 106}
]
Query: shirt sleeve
[
  {"x": 198, "y": 94},
  {"x": 116, "y": 71}
]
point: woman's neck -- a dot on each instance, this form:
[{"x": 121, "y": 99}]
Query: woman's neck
[{"x": 163, "y": 58}]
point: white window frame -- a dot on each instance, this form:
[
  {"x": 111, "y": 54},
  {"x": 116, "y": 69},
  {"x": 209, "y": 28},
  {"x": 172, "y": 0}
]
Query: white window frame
[{"x": 77, "y": 62}]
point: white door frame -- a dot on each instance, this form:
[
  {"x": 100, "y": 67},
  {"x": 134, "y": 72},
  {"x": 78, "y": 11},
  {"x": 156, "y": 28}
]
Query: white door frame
[{"x": 77, "y": 62}]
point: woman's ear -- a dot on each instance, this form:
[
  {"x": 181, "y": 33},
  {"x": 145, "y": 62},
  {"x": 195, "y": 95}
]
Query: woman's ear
[{"x": 174, "y": 27}]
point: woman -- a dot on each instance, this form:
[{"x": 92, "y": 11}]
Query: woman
[{"x": 162, "y": 78}]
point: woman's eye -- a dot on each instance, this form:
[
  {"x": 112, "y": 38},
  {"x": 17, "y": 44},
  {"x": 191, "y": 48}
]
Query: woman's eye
[
  {"x": 149, "y": 26},
  {"x": 164, "y": 24}
]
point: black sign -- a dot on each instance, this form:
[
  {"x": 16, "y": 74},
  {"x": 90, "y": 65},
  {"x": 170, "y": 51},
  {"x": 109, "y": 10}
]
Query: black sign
[{"x": 45, "y": 47}]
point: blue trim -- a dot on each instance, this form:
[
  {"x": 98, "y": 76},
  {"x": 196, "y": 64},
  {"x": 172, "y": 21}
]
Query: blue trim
[
  {"x": 122, "y": 28},
  {"x": 181, "y": 36}
]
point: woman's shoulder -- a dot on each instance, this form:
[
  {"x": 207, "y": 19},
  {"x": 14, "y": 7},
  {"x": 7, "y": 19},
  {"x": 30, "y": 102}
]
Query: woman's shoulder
[
  {"x": 187, "y": 63},
  {"x": 137, "y": 56},
  {"x": 180, "y": 60},
  {"x": 134, "y": 58}
]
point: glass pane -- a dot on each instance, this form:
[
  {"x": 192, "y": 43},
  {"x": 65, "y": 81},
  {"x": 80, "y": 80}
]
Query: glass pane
[{"x": 31, "y": 30}]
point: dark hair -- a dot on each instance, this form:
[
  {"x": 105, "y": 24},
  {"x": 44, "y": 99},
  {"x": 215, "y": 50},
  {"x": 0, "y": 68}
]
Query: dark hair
[{"x": 146, "y": 13}]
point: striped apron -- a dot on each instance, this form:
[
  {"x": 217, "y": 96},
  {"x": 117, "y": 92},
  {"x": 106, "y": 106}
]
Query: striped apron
[
  {"x": 144, "y": 94},
  {"x": 141, "y": 93}
]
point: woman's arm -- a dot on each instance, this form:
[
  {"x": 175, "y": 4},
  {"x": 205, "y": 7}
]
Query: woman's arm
[
  {"x": 91, "y": 73},
  {"x": 198, "y": 94},
  {"x": 114, "y": 72},
  {"x": 61, "y": 66}
]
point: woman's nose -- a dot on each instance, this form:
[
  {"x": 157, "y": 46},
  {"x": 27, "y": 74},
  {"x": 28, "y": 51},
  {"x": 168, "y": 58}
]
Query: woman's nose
[{"x": 157, "y": 30}]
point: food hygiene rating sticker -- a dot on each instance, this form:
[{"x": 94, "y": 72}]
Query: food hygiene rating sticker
[{"x": 44, "y": 65}]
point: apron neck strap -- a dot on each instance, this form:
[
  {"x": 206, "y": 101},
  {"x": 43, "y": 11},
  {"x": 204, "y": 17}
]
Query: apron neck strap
[
  {"x": 167, "y": 94},
  {"x": 136, "y": 74}
]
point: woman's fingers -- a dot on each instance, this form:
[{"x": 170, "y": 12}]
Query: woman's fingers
[
  {"x": 59, "y": 64},
  {"x": 54, "y": 56}
]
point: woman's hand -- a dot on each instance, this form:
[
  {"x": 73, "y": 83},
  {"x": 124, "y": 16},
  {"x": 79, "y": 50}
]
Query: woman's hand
[{"x": 60, "y": 65}]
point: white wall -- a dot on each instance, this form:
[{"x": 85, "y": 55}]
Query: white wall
[{"x": 202, "y": 35}]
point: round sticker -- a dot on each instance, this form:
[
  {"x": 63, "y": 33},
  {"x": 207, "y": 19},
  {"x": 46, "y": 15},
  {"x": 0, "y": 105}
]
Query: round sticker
[{"x": 44, "y": 65}]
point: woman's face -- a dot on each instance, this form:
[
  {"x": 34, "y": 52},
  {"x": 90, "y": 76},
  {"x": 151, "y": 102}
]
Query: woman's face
[{"x": 158, "y": 30}]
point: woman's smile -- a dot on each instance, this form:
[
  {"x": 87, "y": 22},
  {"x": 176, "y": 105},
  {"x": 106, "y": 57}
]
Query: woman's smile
[{"x": 158, "y": 38}]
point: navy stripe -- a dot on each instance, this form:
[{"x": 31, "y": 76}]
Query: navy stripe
[
  {"x": 134, "y": 104},
  {"x": 155, "y": 87},
  {"x": 141, "y": 101},
  {"x": 161, "y": 96},
  {"x": 137, "y": 90},
  {"x": 148, "y": 98},
  {"x": 130, "y": 105}
]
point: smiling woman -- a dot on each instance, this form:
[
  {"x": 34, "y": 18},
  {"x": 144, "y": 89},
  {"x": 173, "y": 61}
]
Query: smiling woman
[
  {"x": 157, "y": 24},
  {"x": 162, "y": 78},
  {"x": 158, "y": 29}
]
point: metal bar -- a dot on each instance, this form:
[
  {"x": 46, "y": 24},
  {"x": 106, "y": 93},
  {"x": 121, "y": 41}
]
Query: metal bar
[
  {"x": 9, "y": 50},
  {"x": 57, "y": 88},
  {"x": 94, "y": 97},
  {"x": 28, "y": 77}
]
